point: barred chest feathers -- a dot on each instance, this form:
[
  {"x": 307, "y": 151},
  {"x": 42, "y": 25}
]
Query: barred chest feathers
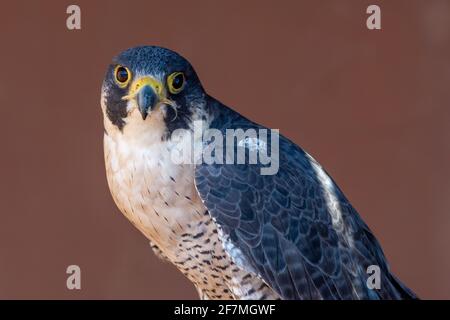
[{"x": 160, "y": 199}]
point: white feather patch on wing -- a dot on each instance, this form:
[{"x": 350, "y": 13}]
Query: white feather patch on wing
[
  {"x": 329, "y": 194},
  {"x": 253, "y": 144}
]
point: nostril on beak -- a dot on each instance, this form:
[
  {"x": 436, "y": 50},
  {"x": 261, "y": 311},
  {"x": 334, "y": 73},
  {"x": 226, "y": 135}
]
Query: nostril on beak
[{"x": 146, "y": 99}]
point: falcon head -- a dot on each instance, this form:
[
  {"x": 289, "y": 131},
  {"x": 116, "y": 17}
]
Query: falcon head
[{"x": 148, "y": 88}]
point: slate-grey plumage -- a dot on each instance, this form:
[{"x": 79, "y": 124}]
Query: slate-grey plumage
[{"x": 236, "y": 234}]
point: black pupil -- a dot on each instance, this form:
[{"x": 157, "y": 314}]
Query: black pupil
[
  {"x": 122, "y": 74},
  {"x": 177, "y": 82}
]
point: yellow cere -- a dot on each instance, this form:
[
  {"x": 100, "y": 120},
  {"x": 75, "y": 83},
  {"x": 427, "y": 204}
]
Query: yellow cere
[{"x": 141, "y": 82}]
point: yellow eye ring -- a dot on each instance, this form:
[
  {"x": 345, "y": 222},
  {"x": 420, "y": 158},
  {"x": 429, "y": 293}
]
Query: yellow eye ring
[
  {"x": 176, "y": 82},
  {"x": 122, "y": 75}
]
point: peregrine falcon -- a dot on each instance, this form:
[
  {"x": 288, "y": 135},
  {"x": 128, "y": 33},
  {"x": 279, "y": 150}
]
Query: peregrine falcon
[{"x": 234, "y": 232}]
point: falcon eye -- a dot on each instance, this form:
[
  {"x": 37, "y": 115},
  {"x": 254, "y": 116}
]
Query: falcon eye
[
  {"x": 176, "y": 82},
  {"x": 122, "y": 75}
]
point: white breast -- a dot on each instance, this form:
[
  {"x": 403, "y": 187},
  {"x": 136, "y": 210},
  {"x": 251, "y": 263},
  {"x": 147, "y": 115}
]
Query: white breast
[{"x": 157, "y": 196}]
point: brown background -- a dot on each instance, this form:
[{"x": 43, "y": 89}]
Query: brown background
[{"x": 371, "y": 106}]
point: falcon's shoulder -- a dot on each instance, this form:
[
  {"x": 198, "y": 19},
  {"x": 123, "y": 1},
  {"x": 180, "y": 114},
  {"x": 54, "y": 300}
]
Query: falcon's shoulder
[{"x": 295, "y": 229}]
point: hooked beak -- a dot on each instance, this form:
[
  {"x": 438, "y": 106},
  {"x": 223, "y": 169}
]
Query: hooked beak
[
  {"x": 147, "y": 93},
  {"x": 146, "y": 99}
]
